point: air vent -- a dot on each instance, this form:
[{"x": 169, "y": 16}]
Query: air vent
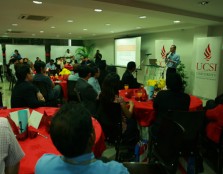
[{"x": 33, "y": 17}]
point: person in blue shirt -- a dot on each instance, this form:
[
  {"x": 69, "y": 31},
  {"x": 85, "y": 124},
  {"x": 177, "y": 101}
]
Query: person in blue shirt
[
  {"x": 16, "y": 55},
  {"x": 73, "y": 135},
  {"x": 172, "y": 60},
  {"x": 51, "y": 65},
  {"x": 93, "y": 80}
]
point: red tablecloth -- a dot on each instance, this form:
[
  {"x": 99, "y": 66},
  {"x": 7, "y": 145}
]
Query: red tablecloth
[
  {"x": 35, "y": 148},
  {"x": 144, "y": 112}
]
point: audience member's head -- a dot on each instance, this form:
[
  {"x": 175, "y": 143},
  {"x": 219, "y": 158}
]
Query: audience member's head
[
  {"x": 84, "y": 72},
  {"x": 110, "y": 86},
  {"x": 24, "y": 72},
  {"x": 131, "y": 66},
  {"x": 51, "y": 61},
  {"x": 174, "y": 82},
  {"x": 40, "y": 67},
  {"x": 102, "y": 65},
  {"x": 71, "y": 130},
  {"x": 25, "y": 60},
  {"x": 95, "y": 72},
  {"x": 75, "y": 68}
]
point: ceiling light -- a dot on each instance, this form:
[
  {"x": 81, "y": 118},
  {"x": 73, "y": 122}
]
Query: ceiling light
[
  {"x": 69, "y": 33},
  {"x": 98, "y": 10},
  {"x": 41, "y": 31},
  {"x": 33, "y": 34},
  {"x": 37, "y": 2},
  {"x": 9, "y": 29},
  {"x": 85, "y": 29},
  {"x": 142, "y": 17},
  {"x": 203, "y": 2},
  {"x": 108, "y": 24},
  {"x": 138, "y": 27},
  {"x": 176, "y": 22},
  {"x": 14, "y": 25},
  {"x": 112, "y": 31},
  {"x": 53, "y": 27},
  {"x": 70, "y": 21}
]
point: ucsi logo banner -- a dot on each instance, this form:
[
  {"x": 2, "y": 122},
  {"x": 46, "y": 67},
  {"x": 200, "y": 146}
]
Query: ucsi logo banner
[
  {"x": 207, "y": 53},
  {"x": 163, "y": 52},
  {"x": 207, "y": 66}
]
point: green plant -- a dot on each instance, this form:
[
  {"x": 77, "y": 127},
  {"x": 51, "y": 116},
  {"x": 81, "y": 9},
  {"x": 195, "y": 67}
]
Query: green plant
[
  {"x": 85, "y": 51},
  {"x": 181, "y": 71}
]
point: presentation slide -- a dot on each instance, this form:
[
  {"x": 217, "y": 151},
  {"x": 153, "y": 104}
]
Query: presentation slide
[
  {"x": 126, "y": 50},
  {"x": 26, "y": 51}
]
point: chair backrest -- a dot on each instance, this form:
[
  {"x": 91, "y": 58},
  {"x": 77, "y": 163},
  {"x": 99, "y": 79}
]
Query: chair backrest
[
  {"x": 73, "y": 95},
  {"x": 192, "y": 122},
  {"x": 42, "y": 87},
  {"x": 167, "y": 143}
]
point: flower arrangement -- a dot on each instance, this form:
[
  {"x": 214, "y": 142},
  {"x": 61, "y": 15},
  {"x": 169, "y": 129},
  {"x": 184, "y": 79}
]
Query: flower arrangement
[{"x": 158, "y": 84}]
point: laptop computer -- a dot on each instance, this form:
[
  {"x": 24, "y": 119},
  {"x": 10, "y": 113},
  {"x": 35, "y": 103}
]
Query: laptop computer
[{"x": 152, "y": 61}]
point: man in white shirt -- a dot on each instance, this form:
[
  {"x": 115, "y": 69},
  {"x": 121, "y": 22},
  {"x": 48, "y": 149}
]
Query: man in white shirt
[{"x": 10, "y": 151}]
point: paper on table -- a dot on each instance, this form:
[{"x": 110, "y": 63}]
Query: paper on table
[
  {"x": 35, "y": 118},
  {"x": 15, "y": 117}
]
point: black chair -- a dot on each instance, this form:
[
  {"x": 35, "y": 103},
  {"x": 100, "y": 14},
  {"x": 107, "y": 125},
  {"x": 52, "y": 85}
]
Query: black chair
[
  {"x": 73, "y": 94},
  {"x": 213, "y": 152},
  {"x": 192, "y": 122},
  {"x": 12, "y": 79},
  {"x": 166, "y": 147}
]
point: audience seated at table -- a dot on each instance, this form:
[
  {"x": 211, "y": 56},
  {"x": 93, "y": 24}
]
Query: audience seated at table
[
  {"x": 25, "y": 94},
  {"x": 54, "y": 91},
  {"x": 73, "y": 135},
  {"x": 114, "y": 115},
  {"x": 214, "y": 126},
  {"x": 128, "y": 78},
  {"x": 74, "y": 76},
  {"x": 210, "y": 104},
  {"x": 173, "y": 98},
  {"x": 103, "y": 71},
  {"x": 87, "y": 93},
  {"x": 93, "y": 80},
  {"x": 10, "y": 151},
  {"x": 51, "y": 65}
]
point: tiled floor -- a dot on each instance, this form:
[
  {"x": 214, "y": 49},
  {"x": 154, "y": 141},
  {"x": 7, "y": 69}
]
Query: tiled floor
[{"x": 109, "y": 152}]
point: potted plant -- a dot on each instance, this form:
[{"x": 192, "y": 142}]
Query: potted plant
[
  {"x": 85, "y": 51},
  {"x": 181, "y": 71}
]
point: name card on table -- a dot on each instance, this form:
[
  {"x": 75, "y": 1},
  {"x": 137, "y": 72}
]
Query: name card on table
[{"x": 33, "y": 119}]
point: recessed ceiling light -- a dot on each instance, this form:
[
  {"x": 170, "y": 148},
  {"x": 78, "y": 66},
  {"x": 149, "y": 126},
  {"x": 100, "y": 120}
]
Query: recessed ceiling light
[
  {"x": 112, "y": 31},
  {"x": 69, "y": 33},
  {"x": 52, "y": 27},
  {"x": 41, "y": 31},
  {"x": 85, "y": 29},
  {"x": 70, "y": 21},
  {"x": 98, "y": 10},
  {"x": 37, "y": 2},
  {"x": 176, "y": 22},
  {"x": 138, "y": 27},
  {"x": 108, "y": 24},
  {"x": 142, "y": 17},
  {"x": 203, "y": 2},
  {"x": 9, "y": 29},
  {"x": 33, "y": 34},
  {"x": 14, "y": 25}
]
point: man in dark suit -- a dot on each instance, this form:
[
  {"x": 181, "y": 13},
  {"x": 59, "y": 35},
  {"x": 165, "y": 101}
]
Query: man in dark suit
[
  {"x": 128, "y": 78},
  {"x": 87, "y": 93}
]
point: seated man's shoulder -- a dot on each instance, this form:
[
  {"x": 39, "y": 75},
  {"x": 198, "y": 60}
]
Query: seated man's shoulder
[{"x": 111, "y": 167}]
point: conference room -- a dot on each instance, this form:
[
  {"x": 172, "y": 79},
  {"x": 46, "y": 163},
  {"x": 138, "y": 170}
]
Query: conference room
[{"x": 140, "y": 31}]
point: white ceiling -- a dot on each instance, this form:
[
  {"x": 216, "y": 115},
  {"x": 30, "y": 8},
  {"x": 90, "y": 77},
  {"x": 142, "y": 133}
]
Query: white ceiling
[{"x": 122, "y": 15}]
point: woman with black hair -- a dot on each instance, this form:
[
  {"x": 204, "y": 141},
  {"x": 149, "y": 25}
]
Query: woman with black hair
[
  {"x": 173, "y": 98},
  {"x": 114, "y": 115}
]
